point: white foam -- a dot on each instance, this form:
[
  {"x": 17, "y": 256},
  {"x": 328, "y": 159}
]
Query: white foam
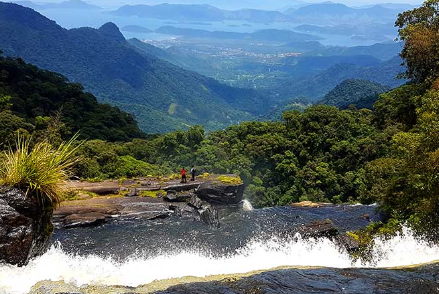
[
  {"x": 56, "y": 265},
  {"x": 246, "y": 205}
]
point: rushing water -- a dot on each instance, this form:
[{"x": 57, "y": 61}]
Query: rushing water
[{"x": 135, "y": 253}]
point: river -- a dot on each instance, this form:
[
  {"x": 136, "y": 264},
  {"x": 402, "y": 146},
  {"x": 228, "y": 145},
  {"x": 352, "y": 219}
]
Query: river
[{"x": 137, "y": 252}]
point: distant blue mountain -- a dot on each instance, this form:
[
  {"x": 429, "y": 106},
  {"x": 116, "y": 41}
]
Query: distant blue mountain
[
  {"x": 70, "y": 4},
  {"x": 328, "y": 12},
  {"x": 263, "y": 35},
  {"x": 178, "y": 12}
]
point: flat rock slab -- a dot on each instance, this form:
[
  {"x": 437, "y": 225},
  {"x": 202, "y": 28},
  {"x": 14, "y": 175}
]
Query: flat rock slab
[
  {"x": 95, "y": 211},
  {"x": 182, "y": 186}
]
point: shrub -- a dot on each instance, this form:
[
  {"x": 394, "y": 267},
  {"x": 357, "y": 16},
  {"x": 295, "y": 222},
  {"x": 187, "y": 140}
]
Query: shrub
[{"x": 41, "y": 170}]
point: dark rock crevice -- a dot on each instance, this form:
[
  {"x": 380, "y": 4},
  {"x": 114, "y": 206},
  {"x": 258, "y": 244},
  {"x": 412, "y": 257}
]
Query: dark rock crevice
[{"x": 25, "y": 226}]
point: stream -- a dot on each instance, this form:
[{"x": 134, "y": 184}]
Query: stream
[{"x": 138, "y": 252}]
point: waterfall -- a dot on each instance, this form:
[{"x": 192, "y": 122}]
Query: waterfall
[
  {"x": 246, "y": 205},
  {"x": 402, "y": 250}
]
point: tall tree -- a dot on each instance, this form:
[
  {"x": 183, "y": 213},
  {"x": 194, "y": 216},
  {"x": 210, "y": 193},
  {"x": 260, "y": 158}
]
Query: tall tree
[{"x": 419, "y": 28}]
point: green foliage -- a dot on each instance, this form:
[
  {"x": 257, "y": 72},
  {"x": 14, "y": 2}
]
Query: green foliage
[
  {"x": 419, "y": 29},
  {"x": 104, "y": 160},
  {"x": 36, "y": 100},
  {"x": 5, "y": 102},
  {"x": 41, "y": 170},
  {"x": 361, "y": 93},
  {"x": 413, "y": 190},
  {"x": 318, "y": 155}
]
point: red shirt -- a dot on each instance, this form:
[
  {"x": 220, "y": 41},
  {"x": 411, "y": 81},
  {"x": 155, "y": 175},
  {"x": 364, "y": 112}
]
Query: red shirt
[{"x": 183, "y": 172}]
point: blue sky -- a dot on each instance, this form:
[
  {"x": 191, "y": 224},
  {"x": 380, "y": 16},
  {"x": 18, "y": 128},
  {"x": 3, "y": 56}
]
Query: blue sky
[{"x": 243, "y": 3}]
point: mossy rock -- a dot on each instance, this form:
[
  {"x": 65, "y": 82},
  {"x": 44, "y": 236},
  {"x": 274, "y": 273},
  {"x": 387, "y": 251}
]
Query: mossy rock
[
  {"x": 230, "y": 179},
  {"x": 153, "y": 194}
]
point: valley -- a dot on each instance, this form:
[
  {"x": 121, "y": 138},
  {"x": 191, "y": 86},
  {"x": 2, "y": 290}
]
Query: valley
[{"x": 258, "y": 146}]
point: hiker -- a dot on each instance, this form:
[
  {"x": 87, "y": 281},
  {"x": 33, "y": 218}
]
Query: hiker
[
  {"x": 193, "y": 171},
  {"x": 183, "y": 175}
]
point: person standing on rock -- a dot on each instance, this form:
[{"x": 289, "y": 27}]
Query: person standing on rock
[
  {"x": 183, "y": 175},
  {"x": 193, "y": 171}
]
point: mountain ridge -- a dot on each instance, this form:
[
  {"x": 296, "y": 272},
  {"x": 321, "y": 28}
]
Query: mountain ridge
[{"x": 119, "y": 74}]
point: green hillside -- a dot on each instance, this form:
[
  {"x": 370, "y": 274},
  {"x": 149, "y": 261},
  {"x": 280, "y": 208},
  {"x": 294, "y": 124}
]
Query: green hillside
[
  {"x": 317, "y": 86},
  {"x": 362, "y": 93},
  {"x": 32, "y": 100},
  {"x": 163, "y": 97}
]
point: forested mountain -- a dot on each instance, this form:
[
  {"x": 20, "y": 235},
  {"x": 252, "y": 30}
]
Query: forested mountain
[
  {"x": 313, "y": 13},
  {"x": 316, "y": 86},
  {"x": 162, "y": 96},
  {"x": 361, "y": 93},
  {"x": 273, "y": 35},
  {"x": 32, "y": 100},
  {"x": 155, "y": 51},
  {"x": 382, "y": 51},
  {"x": 135, "y": 29},
  {"x": 335, "y": 13},
  {"x": 198, "y": 12}
]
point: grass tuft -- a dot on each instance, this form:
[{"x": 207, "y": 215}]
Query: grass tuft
[{"x": 41, "y": 170}]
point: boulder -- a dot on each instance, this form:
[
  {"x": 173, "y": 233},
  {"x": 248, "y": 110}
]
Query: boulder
[
  {"x": 326, "y": 229},
  {"x": 318, "y": 229},
  {"x": 25, "y": 226},
  {"x": 347, "y": 242},
  {"x": 182, "y": 210},
  {"x": 91, "y": 219},
  {"x": 204, "y": 211},
  {"x": 220, "y": 193},
  {"x": 173, "y": 196}
]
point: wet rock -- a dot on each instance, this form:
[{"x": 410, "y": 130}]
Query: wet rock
[
  {"x": 25, "y": 226},
  {"x": 182, "y": 210},
  {"x": 68, "y": 215},
  {"x": 159, "y": 215},
  {"x": 326, "y": 229},
  {"x": 221, "y": 193},
  {"x": 318, "y": 229},
  {"x": 205, "y": 211},
  {"x": 173, "y": 196},
  {"x": 420, "y": 280},
  {"x": 347, "y": 242},
  {"x": 85, "y": 220}
]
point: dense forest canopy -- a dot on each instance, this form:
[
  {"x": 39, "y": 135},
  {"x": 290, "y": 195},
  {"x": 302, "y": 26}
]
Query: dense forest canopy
[{"x": 361, "y": 93}]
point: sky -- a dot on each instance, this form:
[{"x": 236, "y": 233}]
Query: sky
[
  {"x": 231, "y": 3},
  {"x": 347, "y": 2}
]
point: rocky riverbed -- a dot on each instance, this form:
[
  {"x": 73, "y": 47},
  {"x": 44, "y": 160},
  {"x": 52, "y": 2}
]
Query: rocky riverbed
[{"x": 415, "y": 280}]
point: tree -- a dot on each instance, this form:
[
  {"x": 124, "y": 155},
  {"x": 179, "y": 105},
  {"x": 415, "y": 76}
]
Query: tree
[{"x": 419, "y": 28}]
